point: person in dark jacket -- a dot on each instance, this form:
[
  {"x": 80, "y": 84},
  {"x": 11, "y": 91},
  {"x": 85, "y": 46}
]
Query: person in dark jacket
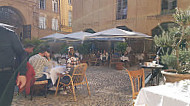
[{"x": 10, "y": 50}]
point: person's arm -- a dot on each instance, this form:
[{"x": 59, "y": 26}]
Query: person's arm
[{"x": 48, "y": 64}]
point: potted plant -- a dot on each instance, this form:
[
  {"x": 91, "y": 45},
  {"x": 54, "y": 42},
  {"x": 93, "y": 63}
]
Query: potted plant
[
  {"x": 176, "y": 41},
  {"x": 84, "y": 49},
  {"x": 120, "y": 48},
  {"x": 64, "y": 49}
]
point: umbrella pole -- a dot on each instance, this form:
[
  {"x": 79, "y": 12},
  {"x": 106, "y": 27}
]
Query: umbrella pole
[{"x": 144, "y": 46}]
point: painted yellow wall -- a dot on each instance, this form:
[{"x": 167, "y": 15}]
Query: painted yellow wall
[{"x": 65, "y": 7}]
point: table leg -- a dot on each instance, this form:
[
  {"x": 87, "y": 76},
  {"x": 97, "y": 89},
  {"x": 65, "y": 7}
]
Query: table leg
[
  {"x": 157, "y": 77},
  {"x": 152, "y": 78},
  {"x": 148, "y": 78}
]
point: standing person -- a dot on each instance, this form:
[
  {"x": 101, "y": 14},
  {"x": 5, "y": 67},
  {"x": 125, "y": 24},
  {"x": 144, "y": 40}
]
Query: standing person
[
  {"x": 28, "y": 48},
  {"x": 10, "y": 50}
]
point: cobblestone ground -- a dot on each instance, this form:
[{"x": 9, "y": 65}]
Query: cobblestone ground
[{"x": 109, "y": 87}]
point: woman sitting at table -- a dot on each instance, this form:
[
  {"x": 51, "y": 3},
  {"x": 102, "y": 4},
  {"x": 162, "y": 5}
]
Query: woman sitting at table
[
  {"x": 71, "y": 52},
  {"x": 71, "y": 64},
  {"x": 104, "y": 57}
]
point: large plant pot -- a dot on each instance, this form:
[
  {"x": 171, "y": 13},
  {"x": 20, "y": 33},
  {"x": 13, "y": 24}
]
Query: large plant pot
[{"x": 171, "y": 75}]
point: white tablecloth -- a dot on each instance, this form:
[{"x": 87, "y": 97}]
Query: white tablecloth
[
  {"x": 123, "y": 58},
  {"x": 176, "y": 94},
  {"x": 53, "y": 73}
]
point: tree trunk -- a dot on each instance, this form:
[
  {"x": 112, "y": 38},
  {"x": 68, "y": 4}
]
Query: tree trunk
[{"x": 177, "y": 48}]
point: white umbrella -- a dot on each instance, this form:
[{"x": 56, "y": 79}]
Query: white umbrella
[
  {"x": 77, "y": 35},
  {"x": 53, "y": 36},
  {"x": 115, "y": 32}
]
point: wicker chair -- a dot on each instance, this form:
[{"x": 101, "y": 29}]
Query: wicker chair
[
  {"x": 93, "y": 60},
  {"x": 77, "y": 77},
  {"x": 138, "y": 76}
]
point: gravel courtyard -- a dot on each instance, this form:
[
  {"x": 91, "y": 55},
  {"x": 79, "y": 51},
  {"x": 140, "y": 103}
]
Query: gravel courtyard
[{"x": 109, "y": 87}]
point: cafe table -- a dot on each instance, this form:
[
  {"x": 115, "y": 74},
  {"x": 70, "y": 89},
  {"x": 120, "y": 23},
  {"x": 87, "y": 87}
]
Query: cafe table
[
  {"x": 170, "y": 94},
  {"x": 155, "y": 68},
  {"x": 54, "y": 71}
]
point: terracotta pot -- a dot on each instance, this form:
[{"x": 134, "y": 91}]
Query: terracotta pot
[{"x": 171, "y": 75}]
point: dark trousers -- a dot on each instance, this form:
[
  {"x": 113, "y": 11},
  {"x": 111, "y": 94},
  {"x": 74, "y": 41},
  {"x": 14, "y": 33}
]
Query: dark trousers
[
  {"x": 42, "y": 78},
  {"x": 7, "y": 83}
]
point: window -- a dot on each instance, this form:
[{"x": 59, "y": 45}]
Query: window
[
  {"x": 70, "y": 19},
  {"x": 55, "y": 24},
  {"x": 69, "y": 2},
  {"x": 168, "y": 6},
  {"x": 42, "y": 4},
  {"x": 42, "y": 22},
  {"x": 121, "y": 9},
  {"x": 55, "y": 6}
]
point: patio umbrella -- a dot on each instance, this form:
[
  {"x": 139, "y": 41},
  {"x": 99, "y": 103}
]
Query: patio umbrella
[
  {"x": 106, "y": 39},
  {"x": 56, "y": 37},
  {"x": 76, "y": 36},
  {"x": 119, "y": 33},
  {"x": 53, "y": 36}
]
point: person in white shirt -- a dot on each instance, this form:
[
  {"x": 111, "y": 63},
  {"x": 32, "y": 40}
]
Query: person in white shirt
[{"x": 39, "y": 62}]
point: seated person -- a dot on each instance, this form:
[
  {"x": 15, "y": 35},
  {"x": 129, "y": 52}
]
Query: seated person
[
  {"x": 71, "y": 64},
  {"x": 71, "y": 52},
  {"x": 98, "y": 54},
  {"x": 39, "y": 62},
  {"x": 105, "y": 55}
]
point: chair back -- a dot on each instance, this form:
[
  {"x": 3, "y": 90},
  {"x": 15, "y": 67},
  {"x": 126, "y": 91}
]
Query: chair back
[
  {"x": 136, "y": 76},
  {"x": 79, "y": 73}
]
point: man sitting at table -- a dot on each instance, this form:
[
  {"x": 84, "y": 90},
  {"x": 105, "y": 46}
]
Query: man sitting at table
[{"x": 39, "y": 62}]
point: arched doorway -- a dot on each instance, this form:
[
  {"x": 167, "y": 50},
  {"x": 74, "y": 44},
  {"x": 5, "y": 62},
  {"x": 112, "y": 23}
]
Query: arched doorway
[
  {"x": 12, "y": 16},
  {"x": 165, "y": 26},
  {"x": 158, "y": 31}
]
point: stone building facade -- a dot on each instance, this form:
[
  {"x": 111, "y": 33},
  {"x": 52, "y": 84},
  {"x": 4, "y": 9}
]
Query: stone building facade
[
  {"x": 32, "y": 18},
  {"x": 137, "y": 15}
]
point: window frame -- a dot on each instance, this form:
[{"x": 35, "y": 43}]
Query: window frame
[
  {"x": 55, "y": 6},
  {"x": 70, "y": 18},
  {"x": 55, "y": 25},
  {"x": 42, "y": 5},
  {"x": 42, "y": 22},
  {"x": 122, "y": 8},
  {"x": 69, "y": 2},
  {"x": 168, "y": 7}
]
